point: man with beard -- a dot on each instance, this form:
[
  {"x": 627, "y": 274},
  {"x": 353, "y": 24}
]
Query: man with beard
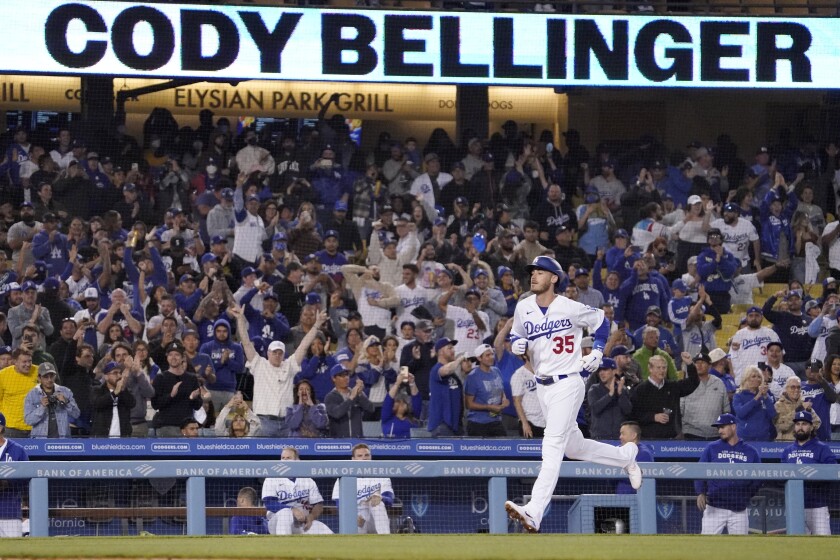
[
  {"x": 792, "y": 328},
  {"x": 650, "y": 226},
  {"x": 716, "y": 267},
  {"x": 74, "y": 190},
  {"x": 558, "y": 212},
  {"x": 177, "y": 393},
  {"x": 809, "y": 450},
  {"x": 23, "y": 232},
  {"x": 349, "y": 238},
  {"x": 738, "y": 234},
  {"x": 749, "y": 344}
]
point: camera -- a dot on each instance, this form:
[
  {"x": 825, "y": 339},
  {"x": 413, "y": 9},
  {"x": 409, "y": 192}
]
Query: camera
[
  {"x": 52, "y": 399},
  {"x": 28, "y": 338}
]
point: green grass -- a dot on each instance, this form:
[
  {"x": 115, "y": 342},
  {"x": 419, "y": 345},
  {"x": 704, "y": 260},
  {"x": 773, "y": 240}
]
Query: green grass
[{"x": 427, "y": 547}]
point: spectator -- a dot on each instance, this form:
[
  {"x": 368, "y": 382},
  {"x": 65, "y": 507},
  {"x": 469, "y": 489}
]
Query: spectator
[
  {"x": 189, "y": 427},
  {"x": 11, "y": 490},
  {"x": 525, "y": 401},
  {"x": 699, "y": 334},
  {"x": 221, "y": 219},
  {"x": 586, "y": 295},
  {"x": 721, "y": 368},
  {"x": 792, "y": 327},
  {"x": 754, "y": 407},
  {"x": 566, "y": 251},
  {"x": 177, "y": 393},
  {"x": 228, "y": 360},
  {"x": 809, "y": 450},
  {"x": 249, "y": 230},
  {"x": 691, "y": 231},
  {"x": 780, "y": 371},
  {"x": 15, "y": 383},
  {"x": 653, "y": 318},
  {"x": 775, "y": 223},
  {"x": 632, "y": 432},
  {"x": 708, "y": 401},
  {"x": 650, "y": 348},
  {"x": 738, "y": 234},
  {"x": 345, "y": 406},
  {"x": 49, "y": 407},
  {"x": 656, "y": 400},
  {"x": 401, "y": 410},
  {"x": 373, "y": 297},
  {"x": 112, "y": 403},
  {"x": 822, "y": 395},
  {"x": 273, "y": 377},
  {"x": 716, "y": 267},
  {"x": 749, "y": 344},
  {"x": 787, "y": 406},
  {"x": 638, "y": 292},
  {"x": 484, "y": 396},
  {"x": 244, "y": 422},
  {"x": 445, "y": 380},
  {"x": 28, "y": 312},
  {"x": 724, "y": 502},
  {"x": 306, "y": 417},
  {"x": 247, "y": 524},
  {"x": 419, "y": 357},
  {"x": 609, "y": 402},
  {"x": 595, "y": 218}
]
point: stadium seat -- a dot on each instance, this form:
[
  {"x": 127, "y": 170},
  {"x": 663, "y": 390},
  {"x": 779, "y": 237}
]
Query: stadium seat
[{"x": 372, "y": 429}]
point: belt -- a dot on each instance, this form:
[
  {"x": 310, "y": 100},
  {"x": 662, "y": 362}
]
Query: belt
[{"x": 546, "y": 381}]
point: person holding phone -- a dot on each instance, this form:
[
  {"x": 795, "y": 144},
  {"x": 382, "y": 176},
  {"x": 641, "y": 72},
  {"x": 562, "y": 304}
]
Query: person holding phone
[
  {"x": 754, "y": 406},
  {"x": 402, "y": 406}
]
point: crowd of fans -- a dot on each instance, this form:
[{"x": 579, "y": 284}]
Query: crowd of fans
[{"x": 284, "y": 281}]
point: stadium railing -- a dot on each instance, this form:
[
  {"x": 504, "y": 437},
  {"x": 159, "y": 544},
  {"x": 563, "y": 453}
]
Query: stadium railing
[{"x": 42, "y": 473}]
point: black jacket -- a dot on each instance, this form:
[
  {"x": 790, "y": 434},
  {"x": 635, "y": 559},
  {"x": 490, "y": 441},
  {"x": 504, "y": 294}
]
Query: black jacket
[
  {"x": 649, "y": 400},
  {"x": 103, "y": 411}
]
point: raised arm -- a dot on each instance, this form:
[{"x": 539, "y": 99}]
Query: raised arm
[{"x": 303, "y": 347}]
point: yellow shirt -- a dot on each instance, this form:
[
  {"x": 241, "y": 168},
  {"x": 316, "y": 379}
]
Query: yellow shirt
[{"x": 13, "y": 389}]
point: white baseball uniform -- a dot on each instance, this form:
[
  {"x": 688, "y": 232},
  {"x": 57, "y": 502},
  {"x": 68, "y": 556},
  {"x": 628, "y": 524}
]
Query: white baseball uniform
[
  {"x": 749, "y": 346},
  {"x": 374, "y": 519},
  {"x": 554, "y": 336},
  {"x": 298, "y": 493}
]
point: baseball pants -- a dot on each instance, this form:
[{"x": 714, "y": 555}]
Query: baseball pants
[
  {"x": 284, "y": 523},
  {"x": 817, "y": 521},
  {"x": 560, "y": 403},
  {"x": 374, "y": 520},
  {"x": 715, "y": 519},
  {"x": 11, "y": 528}
]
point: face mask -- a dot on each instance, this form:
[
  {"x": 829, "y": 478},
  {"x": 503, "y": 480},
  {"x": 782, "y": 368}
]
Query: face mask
[
  {"x": 211, "y": 169},
  {"x": 155, "y": 144}
]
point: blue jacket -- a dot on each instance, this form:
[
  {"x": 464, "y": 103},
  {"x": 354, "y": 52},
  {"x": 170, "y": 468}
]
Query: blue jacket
[
  {"x": 225, "y": 372},
  {"x": 393, "y": 427},
  {"x": 772, "y": 227},
  {"x": 445, "y": 400},
  {"x": 616, "y": 260},
  {"x": 10, "y": 495},
  {"x": 37, "y": 415},
  {"x": 733, "y": 495},
  {"x": 754, "y": 418},
  {"x": 716, "y": 276},
  {"x": 812, "y": 452},
  {"x": 610, "y": 296},
  {"x": 636, "y": 296}
]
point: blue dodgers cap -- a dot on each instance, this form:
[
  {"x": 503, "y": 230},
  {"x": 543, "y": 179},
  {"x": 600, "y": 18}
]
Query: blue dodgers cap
[
  {"x": 2, "y": 420},
  {"x": 622, "y": 233},
  {"x": 247, "y": 271},
  {"x": 479, "y": 272},
  {"x": 5, "y": 350},
  {"x": 12, "y": 287},
  {"x": 581, "y": 272},
  {"x": 331, "y": 233},
  {"x": 339, "y": 369},
  {"x": 502, "y": 270},
  {"x": 607, "y": 363},
  {"x": 444, "y": 342},
  {"x": 209, "y": 257},
  {"x": 620, "y": 350},
  {"x": 186, "y": 278},
  {"x": 313, "y": 298},
  {"x": 280, "y": 236},
  {"x": 803, "y": 416},
  {"x": 28, "y": 285},
  {"x": 679, "y": 285},
  {"x": 111, "y": 366},
  {"x": 51, "y": 284},
  {"x": 340, "y": 206},
  {"x": 218, "y": 239},
  {"x": 731, "y": 207},
  {"x": 755, "y": 309},
  {"x": 227, "y": 193},
  {"x": 724, "y": 420}
]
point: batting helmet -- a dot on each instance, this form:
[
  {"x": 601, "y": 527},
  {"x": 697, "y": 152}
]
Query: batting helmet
[{"x": 552, "y": 266}]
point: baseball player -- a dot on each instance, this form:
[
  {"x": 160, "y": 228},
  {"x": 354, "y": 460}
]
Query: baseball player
[
  {"x": 808, "y": 449},
  {"x": 549, "y": 327},
  {"x": 293, "y": 504},
  {"x": 724, "y": 502},
  {"x": 372, "y": 495}
]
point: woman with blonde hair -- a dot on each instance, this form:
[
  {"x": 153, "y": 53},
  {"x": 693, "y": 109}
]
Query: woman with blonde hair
[
  {"x": 754, "y": 407},
  {"x": 787, "y": 406},
  {"x": 244, "y": 422}
]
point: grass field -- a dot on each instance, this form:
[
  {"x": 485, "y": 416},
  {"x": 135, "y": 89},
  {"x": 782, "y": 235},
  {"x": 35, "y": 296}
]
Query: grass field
[{"x": 427, "y": 547}]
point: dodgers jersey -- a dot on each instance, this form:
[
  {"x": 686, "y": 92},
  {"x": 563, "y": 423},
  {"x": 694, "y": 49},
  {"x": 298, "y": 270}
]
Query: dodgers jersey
[
  {"x": 554, "y": 336},
  {"x": 812, "y": 452},
  {"x": 752, "y": 349},
  {"x": 291, "y": 493},
  {"x": 367, "y": 487}
]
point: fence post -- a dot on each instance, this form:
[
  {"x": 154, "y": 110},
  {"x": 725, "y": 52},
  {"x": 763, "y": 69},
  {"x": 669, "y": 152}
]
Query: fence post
[
  {"x": 496, "y": 496},
  {"x": 39, "y": 507},
  {"x": 647, "y": 507},
  {"x": 348, "y": 510},
  {"x": 196, "y": 502},
  {"x": 795, "y": 507}
]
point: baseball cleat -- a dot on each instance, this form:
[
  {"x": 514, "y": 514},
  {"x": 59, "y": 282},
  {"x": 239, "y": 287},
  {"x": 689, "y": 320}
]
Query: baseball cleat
[{"x": 519, "y": 514}]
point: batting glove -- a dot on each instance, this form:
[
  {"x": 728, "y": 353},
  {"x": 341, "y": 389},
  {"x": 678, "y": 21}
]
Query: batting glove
[
  {"x": 592, "y": 362},
  {"x": 519, "y": 346}
]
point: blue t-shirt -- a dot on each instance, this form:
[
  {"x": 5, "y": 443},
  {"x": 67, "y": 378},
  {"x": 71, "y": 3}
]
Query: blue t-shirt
[
  {"x": 507, "y": 367},
  {"x": 486, "y": 387}
]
